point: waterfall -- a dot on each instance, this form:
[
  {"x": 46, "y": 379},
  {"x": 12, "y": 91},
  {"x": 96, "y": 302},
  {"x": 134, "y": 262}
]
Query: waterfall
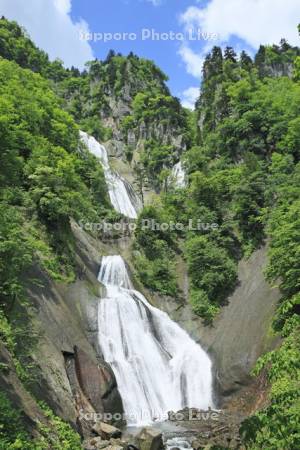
[
  {"x": 121, "y": 194},
  {"x": 158, "y": 367},
  {"x": 178, "y": 175}
]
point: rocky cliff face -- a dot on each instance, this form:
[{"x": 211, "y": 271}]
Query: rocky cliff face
[
  {"x": 73, "y": 377},
  {"x": 239, "y": 335},
  {"x": 70, "y": 373},
  {"x": 125, "y": 102},
  {"x": 242, "y": 331}
]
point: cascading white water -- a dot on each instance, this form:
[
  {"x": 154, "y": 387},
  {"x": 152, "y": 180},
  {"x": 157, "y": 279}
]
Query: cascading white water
[
  {"x": 178, "y": 442},
  {"x": 118, "y": 189},
  {"x": 158, "y": 367},
  {"x": 178, "y": 175}
]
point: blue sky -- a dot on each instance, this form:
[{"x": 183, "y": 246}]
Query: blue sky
[{"x": 60, "y": 27}]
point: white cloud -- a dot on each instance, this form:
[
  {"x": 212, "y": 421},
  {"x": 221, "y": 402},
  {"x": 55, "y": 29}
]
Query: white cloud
[
  {"x": 189, "y": 97},
  {"x": 254, "y": 21},
  {"x": 192, "y": 60},
  {"x": 51, "y": 28},
  {"x": 64, "y": 6}
]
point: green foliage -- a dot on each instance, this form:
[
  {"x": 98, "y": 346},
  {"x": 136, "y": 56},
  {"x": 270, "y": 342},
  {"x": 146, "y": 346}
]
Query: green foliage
[
  {"x": 157, "y": 274},
  {"x": 284, "y": 229},
  {"x": 277, "y": 426},
  {"x": 16, "y": 254},
  {"x": 275, "y": 60},
  {"x": 6, "y": 333},
  {"x": 244, "y": 174},
  {"x": 287, "y": 316},
  {"x": 58, "y": 435},
  {"x": 249, "y": 201},
  {"x": 93, "y": 126},
  {"x": 154, "y": 259},
  {"x": 46, "y": 178},
  {"x": 296, "y": 72},
  {"x": 202, "y": 306},
  {"x": 87, "y": 97},
  {"x": 156, "y": 159},
  {"x": 15, "y": 45},
  {"x": 127, "y": 123},
  {"x": 211, "y": 270},
  {"x": 164, "y": 108},
  {"x": 12, "y": 432},
  {"x": 239, "y": 112}
]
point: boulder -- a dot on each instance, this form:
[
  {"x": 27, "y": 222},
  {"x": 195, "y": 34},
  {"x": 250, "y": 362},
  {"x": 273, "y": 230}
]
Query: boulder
[
  {"x": 149, "y": 439},
  {"x": 95, "y": 443},
  {"x": 106, "y": 431},
  {"x": 113, "y": 447},
  {"x": 98, "y": 383}
]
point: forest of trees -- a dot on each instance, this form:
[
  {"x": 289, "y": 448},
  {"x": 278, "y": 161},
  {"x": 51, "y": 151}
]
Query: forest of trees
[{"x": 243, "y": 167}]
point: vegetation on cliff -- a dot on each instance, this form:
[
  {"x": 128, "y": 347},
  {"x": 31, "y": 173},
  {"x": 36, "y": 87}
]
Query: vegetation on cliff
[
  {"x": 243, "y": 171},
  {"x": 46, "y": 178},
  {"x": 242, "y": 164}
]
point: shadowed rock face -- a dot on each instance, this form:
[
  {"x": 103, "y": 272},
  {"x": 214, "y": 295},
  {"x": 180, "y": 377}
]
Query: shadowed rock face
[
  {"x": 64, "y": 317},
  {"x": 149, "y": 439},
  {"x": 241, "y": 332},
  {"x": 18, "y": 395},
  {"x": 98, "y": 383}
]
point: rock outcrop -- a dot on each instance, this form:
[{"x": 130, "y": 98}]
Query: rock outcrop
[
  {"x": 71, "y": 375},
  {"x": 98, "y": 383},
  {"x": 242, "y": 331},
  {"x": 209, "y": 429},
  {"x": 106, "y": 431},
  {"x": 18, "y": 395},
  {"x": 149, "y": 439}
]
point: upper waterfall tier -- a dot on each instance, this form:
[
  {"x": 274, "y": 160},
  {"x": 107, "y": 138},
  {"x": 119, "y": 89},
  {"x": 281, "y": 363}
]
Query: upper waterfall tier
[
  {"x": 120, "y": 192},
  {"x": 179, "y": 175},
  {"x": 158, "y": 367}
]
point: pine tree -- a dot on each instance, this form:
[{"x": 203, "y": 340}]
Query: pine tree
[
  {"x": 284, "y": 45},
  {"x": 246, "y": 62},
  {"x": 260, "y": 60},
  {"x": 111, "y": 54},
  {"x": 213, "y": 64},
  {"x": 230, "y": 55}
]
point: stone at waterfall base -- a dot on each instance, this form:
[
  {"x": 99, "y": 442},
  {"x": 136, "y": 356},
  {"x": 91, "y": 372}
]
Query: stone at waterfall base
[
  {"x": 149, "y": 439},
  {"x": 95, "y": 443},
  {"x": 98, "y": 444},
  {"x": 210, "y": 428},
  {"x": 106, "y": 431}
]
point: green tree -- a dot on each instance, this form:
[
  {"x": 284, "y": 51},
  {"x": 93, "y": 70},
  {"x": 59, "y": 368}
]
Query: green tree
[{"x": 210, "y": 268}]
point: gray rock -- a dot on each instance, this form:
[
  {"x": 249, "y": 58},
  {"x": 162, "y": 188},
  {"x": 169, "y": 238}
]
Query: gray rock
[
  {"x": 62, "y": 318},
  {"x": 106, "y": 431},
  {"x": 114, "y": 447},
  {"x": 240, "y": 334},
  {"x": 94, "y": 443},
  {"x": 149, "y": 439},
  {"x": 98, "y": 383}
]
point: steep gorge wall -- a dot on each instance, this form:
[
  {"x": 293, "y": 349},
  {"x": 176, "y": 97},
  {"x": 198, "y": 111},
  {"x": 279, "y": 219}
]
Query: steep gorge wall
[
  {"x": 71, "y": 372},
  {"x": 242, "y": 331}
]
